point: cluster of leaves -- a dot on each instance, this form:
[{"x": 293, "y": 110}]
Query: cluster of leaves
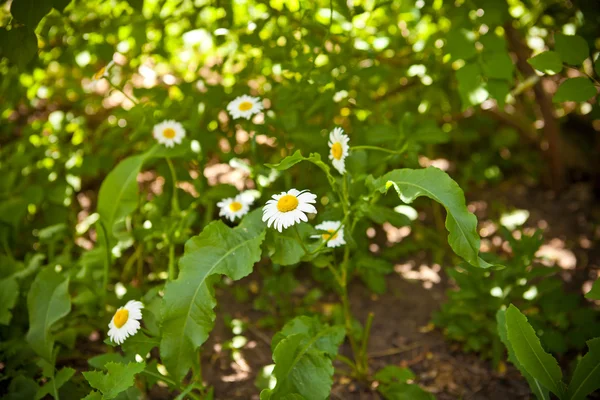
[{"x": 560, "y": 318}]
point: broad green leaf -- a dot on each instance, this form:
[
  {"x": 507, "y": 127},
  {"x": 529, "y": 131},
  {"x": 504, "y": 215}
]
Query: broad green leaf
[
  {"x": 392, "y": 373},
  {"x": 21, "y": 388},
  {"x": 437, "y": 185},
  {"x": 575, "y": 89},
  {"x": 60, "y": 379},
  {"x": 460, "y": 44},
  {"x": 47, "y": 302},
  {"x": 548, "y": 62},
  {"x": 471, "y": 87},
  {"x": 594, "y": 293},
  {"x": 19, "y": 45},
  {"x": 93, "y": 395},
  {"x": 536, "y": 387},
  {"x": 529, "y": 353},
  {"x": 140, "y": 344},
  {"x": 499, "y": 90},
  {"x": 287, "y": 162},
  {"x": 188, "y": 315},
  {"x": 286, "y": 248},
  {"x": 404, "y": 391},
  {"x": 572, "y": 49},
  {"x": 99, "y": 361},
  {"x": 498, "y": 65},
  {"x": 303, "y": 352},
  {"x": 119, "y": 378},
  {"x": 9, "y": 292},
  {"x": 30, "y": 12},
  {"x": 586, "y": 378}
]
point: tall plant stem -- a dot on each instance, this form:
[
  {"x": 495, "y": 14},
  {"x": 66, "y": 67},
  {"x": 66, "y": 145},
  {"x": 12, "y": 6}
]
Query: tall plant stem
[
  {"x": 107, "y": 260},
  {"x": 174, "y": 199}
]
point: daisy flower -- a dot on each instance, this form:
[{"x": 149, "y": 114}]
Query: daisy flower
[
  {"x": 103, "y": 72},
  {"x": 338, "y": 143},
  {"x": 334, "y": 236},
  {"x": 289, "y": 208},
  {"x": 125, "y": 322},
  {"x": 244, "y": 107},
  {"x": 233, "y": 207},
  {"x": 168, "y": 132}
]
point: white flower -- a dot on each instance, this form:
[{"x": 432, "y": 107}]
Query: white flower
[
  {"x": 103, "y": 72},
  {"x": 125, "y": 322},
  {"x": 289, "y": 208},
  {"x": 244, "y": 107},
  {"x": 250, "y": 196},
  {"x": 168, "y": 132},
  {"x": 331, "y": 228},
  {"x": 338, "y": 143},
  {"x": 233, "y": 207}
]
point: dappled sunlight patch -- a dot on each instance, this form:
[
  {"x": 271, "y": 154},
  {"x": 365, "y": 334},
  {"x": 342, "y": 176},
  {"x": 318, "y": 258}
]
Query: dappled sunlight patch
[
  {"x": 428, "y": 275},
  {"x": 555, "y": 252}
]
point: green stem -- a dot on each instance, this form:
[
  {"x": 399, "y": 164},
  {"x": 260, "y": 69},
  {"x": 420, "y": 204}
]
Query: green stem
[
  {"x": 376, "y": 148},
  {"x": 365, "y": 340},
  {"x": 346, "y": 361},
  {"x": 300, "y": 241},
  {"x": 161, "y": 377},
  {"x": 107, "y": 261},
  {"x": 54, "y": 389},
  {"x": 174, "y": 199},
  {"x": 112, "y": 85},
  {"x": 172, "y": 272}
]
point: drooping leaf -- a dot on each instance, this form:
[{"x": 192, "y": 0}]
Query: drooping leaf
[
  {"x": 594, "y": 293},
  {"x": 586, "y": 378},
  {"x": 529, "y": 353},
  {"x": 47, "y": 302},
  {"x": 19, "y": 45},
  {"x": 575, "y": 89},
  {"x": 573, "y": 49},
  {"x": 59, "y": 380},
  {"x": 303, "y": 352},
  {"x": 188, "y": 315},
  {"x": 287, "y": 162},
  {"x": 437, "y": 185},
  {"x": 30, "y": 12},
  {"x": 536, "y": 387},
  {"x": 549, "y": 62},
  {"x": 9, "y": 292},
  {"x": 119, "y": 378}
]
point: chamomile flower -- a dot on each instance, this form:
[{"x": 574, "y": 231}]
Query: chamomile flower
[
  {"x": 233, "y": 207},
  {"x": 338, "y": 143},
  {"x": 289, "y": 208},
  {"x": 168, "y": 132},
  {"x": 125, "y": 322},
  {"x": 103, "y": 72},
  {"x": 334, "y": 236},
  {"x": 244, "y": 107}
]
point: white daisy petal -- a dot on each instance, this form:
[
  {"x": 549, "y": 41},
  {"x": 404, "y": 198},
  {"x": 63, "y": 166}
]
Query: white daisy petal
[
  {"x": 288, "y": 208},
  {"x": 339, "y": 149},
  {"x": 125, "y": 322},
  {"x": 244, "y": 107},
  {"x": 233, "y": 207},
  {"x": 331, "y": 228},
  {"x": 169, "y": 133}
]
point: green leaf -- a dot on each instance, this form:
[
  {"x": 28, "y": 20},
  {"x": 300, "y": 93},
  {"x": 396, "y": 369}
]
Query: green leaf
[
  {"x": 19, "y": 45},
  {"x": 119, "y": 378},
  {"x": 140, "y": 344},
  {"x": 21, "y": 388},
  {"x": 380, "y": 215},
  {"x": 287, "y": 162},
  {"x": 594, "y": 293},
  {"x": 437, "y": 185},
  {"x": 538, "y": 390},
  {"x": 373, "y": 271},
  {"x": 460, "y": 44},
  {"x": 286, "y": 248},
  {"x": 548, "y": 62},
  {"x": 303, "y": 352},
  {"x": 471, "y": 87},
  {"x": 499, "y": 90},
  {"x": 575, "y": 89},
  {"x": 572, "y": 49},
  {"x": 54, "y": 384},
  {"x": 93, "y": 395},
  {"x": 9, "y": 293},
  {"x": 30, "y": 12},
  {"x": 392, "y": 373},
  {"x": 47, "y": 302},
  {"x": 586, "y": 378},
  {"x": 137, "y": 5},
  {"x": 188, "y": 304},
  {"x": 529, "y": 353},
  {"x": 404, "y": 391},
  {"x": 430, "y": 132},
  {"x": 597, "y": 66},
  {"x": 60, "y": 5},
  {"x": 498, "y": 65}
]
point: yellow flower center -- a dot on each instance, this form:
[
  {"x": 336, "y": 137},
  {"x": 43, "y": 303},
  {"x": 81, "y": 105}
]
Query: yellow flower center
[
  {"x": 235, "y": 206},
  {"x": 121, "y": 316},
  {"x": 245, "y": 106},
  {"x": 336, "y": 150},
  {"x": 326, "y": 236},
  {"x": 287, "y": 203},
  {"x": 100, "y": 73},
  {"x": 169, "y": 133}
]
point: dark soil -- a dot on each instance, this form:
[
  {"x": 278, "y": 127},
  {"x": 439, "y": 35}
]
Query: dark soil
[{"x": 401, "y": 334}]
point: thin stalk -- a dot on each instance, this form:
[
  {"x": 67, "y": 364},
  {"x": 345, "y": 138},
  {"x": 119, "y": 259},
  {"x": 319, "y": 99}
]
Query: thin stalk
[
  {"x": 132, "y": 99},
  {"x": 161, "y": 377},
  {"x": 172, "y": 272},
  {"x": 174, "y": 199},
  {"x": 365, "y": 340},
  {"x": 300, "y": 241},
  {"x": 376, "y": 148},
  {"x": 346, "y": 361},
  {"x": 54, "y": 389},
  {"x": 107, "y": 260}
]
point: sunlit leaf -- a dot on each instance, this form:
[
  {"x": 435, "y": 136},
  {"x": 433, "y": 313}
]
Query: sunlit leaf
[
  {"x": 586, "y": 378},
  {"x": 119, "y": 378},
  {"x": 572, "y": 49},
  {"x": 575, "y": 89},
  {"x": 549, "y": 62}
]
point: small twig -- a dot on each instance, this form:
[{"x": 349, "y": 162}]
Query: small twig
[{"x": 393, "y": 351}]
